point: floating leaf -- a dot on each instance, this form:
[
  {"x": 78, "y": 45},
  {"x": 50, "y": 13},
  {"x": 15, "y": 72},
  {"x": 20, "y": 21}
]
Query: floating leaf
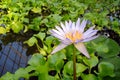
[
  {"x": 49, "y": 40},
  {"x": 21, "y": 73},
  {"x": 116, "y": 62},
  {"x": 68, "y": 68},
  {"x": 8, "y": 76},
  {"x": 31, "y": 41},
  {"x": 59, "y": 65},
  {"x": 92, "y": 62},
  {"x": 36, "y": 10},
  {"x": 2, "y": 30},
  {"x": 37, "y": 59},
  {"x": 43, "y": 72},
  {"x": 16, "y": 27},
  {"x": 106, "y": 47},
  {"x": 89, "y": 77},
  {"x": 52, "y": 60},
  {"x": 106, "y": 69},
  {"x": 80, "y": 68},
  {"x": 40, "y": 35}
]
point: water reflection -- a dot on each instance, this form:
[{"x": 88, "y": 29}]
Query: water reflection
[
  {"x": 12, "y": 57},
  {"x": 13, "y": 53}
]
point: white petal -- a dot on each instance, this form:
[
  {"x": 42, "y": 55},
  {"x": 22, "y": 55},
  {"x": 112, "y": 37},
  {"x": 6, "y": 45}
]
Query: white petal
[
  {"x": 57, "y": 35},
  {"x": 60, "y": 30},
  {"x": 66, "y": 41},
  {"x": 73, "y": 27},
  {"x": 78, "y": 24},
  {"x": 92, "y": 33},
  {"x": 83, "y": 25},
  {"x": 91, "y": 28},
  {"x": 70, "y": 22},
  {"x": 89, "y": 39},
  {"x": 89, "y": 31},
  {"x": 67, "y": 26},
  {"x": 81, "y": 47},
  {"x": 59, "y": 47},
  {"x": 57, "y": 32},
  {"x": 63, "y": 27}
]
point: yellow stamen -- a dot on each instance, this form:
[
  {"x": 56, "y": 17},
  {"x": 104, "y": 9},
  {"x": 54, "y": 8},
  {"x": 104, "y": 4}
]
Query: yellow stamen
[{"x": 74, "y": 36}]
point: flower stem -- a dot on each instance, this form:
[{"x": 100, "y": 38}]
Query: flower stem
[{"x": 74, "y": 64}]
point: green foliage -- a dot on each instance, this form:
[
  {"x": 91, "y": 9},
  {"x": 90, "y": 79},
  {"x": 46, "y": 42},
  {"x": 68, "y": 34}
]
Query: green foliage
[
  {"x": 56, "y": 61},
  {"x": 105, "y": 69},
  {"x": 31, "y": 41},
  {"x": 34, "y": 14},
  {"x": 7, "y": 76},
  {"x": 116, "y": 62},
  {"x": 40, "y": 35},
  {"x": 106, "y": 47},
  {"x": 21, "y": 73},
  {"x": 2, "y": 30},
  {"x": 89, "y": 77},
  {"x": 38, "y": 58},
  {"x": 40, "y": 16},
  {"x": 68, "y": 69},
  {"x": 92, "y": 62}
]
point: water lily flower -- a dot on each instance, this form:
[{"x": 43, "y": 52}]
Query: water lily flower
[{"x": 73, "y": 33}]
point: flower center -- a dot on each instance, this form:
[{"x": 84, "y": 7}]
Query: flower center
[{"x": 73, "y": 36}]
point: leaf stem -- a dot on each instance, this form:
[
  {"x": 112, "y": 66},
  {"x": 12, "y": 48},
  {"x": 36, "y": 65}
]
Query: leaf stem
[{"x": 74, "y": 64}]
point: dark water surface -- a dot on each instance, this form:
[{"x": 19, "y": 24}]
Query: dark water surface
[
  {"x": 13, "y": 53},
  {"x": 12, "y": 57}
]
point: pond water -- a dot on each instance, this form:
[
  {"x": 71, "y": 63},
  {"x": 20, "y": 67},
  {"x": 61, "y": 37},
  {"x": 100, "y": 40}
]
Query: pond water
[
  {"x": 12, "y": 57},
  {"x": 13, "y": 52}
]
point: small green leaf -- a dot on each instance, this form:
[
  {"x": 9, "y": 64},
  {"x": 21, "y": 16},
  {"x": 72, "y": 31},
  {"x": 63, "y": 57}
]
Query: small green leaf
[
  {"x": 115, "y": 23},
  {"x": 89, "y": 77},
  {"x": 8, "y": 76},
  {"x": 52, "y": 78},
  {"x": 106, "y": 69},
  {"x": 53, "y": 59},
  {"x": 68, "y": 68},
  {"x": 36, "y": 10},
  {"x": 42, "y": 72},
  {"x": 16, "y": 26},
  {"x": 93, "y": 61},
  {"x": 49, "y": 40},
  {"x": 30, "y": 68},
  {"x": 42, "y": 69},
  {"x": 2, "y": 30},
  {"x": 31, "y": 41},
  {"x": 21, "y": 73},
  {"x": 40, "y": 35},
  {"x": 59, "y": 65},
  {"x": 43, "y": 76},
  {"x": 36, "y": 59},
  {"x": 80, "y": 68}
]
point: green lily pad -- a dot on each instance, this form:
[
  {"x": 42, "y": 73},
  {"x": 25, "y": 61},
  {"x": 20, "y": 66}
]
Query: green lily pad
[
  {"x": 68, "y": 68},
  {"x": 37, "y": 59},
  {"x": 116, "y": 62},
  {"x": 106, "y": 47},
  {"x": 93, "y": 61},
  {"x": 21, "y": 73},
  {"x": 55, "y": 60},
  {"x": 89, "y": 77},
  {"x": 106, "y": 69},
  {"x": 31, "y": 41}
]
